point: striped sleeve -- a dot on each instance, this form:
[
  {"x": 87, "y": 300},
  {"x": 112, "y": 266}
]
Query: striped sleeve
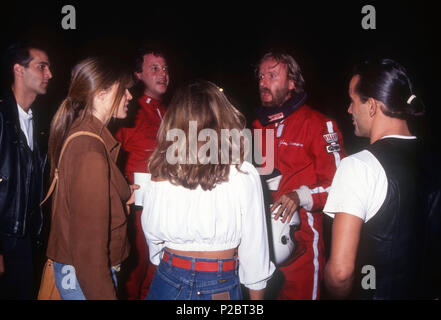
[{"x": 327, "y": 151}]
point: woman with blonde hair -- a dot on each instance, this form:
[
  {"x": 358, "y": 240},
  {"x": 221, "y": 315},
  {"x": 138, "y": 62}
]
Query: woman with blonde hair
[
  {"x": 88, "y": 239},
  {"x": 204, "y": 211}
]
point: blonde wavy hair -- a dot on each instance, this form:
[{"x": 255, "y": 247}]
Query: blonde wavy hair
[{"x": 205, "y": 103}]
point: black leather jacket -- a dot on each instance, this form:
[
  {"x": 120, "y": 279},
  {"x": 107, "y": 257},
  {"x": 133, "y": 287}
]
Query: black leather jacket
[{"x": 16, "y": 167}]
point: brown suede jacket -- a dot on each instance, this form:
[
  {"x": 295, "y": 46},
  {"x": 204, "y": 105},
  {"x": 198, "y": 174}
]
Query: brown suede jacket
[{"x": 89, "y": 227}]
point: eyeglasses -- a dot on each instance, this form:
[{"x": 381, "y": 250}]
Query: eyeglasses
[
  {"x": 157, "y": 68},
  {"x": 269, "y": 75}
]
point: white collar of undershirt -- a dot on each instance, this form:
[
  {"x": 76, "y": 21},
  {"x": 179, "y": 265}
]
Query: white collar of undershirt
[
  {"x": 399, "y": 137},
  {"x": 23, "y": 114}
]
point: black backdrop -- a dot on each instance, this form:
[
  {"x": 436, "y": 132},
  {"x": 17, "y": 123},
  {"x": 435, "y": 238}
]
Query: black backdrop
[{"x": 222, "y": 41}]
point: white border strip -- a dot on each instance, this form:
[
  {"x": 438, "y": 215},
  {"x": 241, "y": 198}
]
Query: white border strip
[
  {"x": 336, "y": 154},
  {"x": 316, "y": 253}
]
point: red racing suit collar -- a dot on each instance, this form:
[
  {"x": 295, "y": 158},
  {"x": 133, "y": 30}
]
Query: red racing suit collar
[
  {"x": 148, "y": 103},
  {"x": 268, "y": 115}
]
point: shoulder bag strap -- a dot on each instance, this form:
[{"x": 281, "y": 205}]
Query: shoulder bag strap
[{"x": 55, "y": 179}]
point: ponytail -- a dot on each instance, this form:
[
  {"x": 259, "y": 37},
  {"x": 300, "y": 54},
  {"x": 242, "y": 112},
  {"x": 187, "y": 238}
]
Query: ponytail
[
  {"x": 415, "y": 106},
  {"x": 411, "y": 108},
  {"x": 387, "y": 81},
  {"x": 61, "y": 124}
]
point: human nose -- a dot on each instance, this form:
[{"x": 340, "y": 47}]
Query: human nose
[
  {"x": 165, "y": 75},
  {"x": 262, "y": 82},
  {"x": 128, "y": 95},
  {"x": 48, "y": 73},
  {"x": 163, "y": 71},
  {"x": 350, "y": 109}
]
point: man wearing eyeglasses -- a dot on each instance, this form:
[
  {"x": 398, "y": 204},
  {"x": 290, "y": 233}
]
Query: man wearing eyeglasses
[{"x": 138, "y": 142}]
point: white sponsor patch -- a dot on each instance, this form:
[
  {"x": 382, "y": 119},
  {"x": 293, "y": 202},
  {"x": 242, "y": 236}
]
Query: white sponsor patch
[
  {"x": 276, "y": 116},
  {"x": 333, "y": 148},
  {"x": 279, "y": 130},
  {"x": 331, "y": 137}
]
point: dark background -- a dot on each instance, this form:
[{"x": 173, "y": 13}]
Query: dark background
[{"x": 222, "y": 42}]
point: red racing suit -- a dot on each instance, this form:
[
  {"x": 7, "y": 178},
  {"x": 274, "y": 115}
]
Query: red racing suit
[
  {"x": 307, "y": 150},
  {"x": 139, "y": 142}
]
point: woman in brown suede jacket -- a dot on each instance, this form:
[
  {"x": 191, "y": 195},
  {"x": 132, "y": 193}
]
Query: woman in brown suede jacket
[{"x": 88, "y": 236}]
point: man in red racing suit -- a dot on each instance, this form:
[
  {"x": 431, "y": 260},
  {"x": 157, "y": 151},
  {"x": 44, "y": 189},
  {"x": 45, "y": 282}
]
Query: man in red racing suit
[
  {"x": 307, "y": 150},
  {"x": 138, "y": 142}
]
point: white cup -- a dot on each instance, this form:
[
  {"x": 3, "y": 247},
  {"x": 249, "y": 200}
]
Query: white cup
[{"x": 143, "y": 180}]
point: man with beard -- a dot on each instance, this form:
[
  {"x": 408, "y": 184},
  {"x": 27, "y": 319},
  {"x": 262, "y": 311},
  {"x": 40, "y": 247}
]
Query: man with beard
[
  {"x": 21, "y": 170},
  {"x": 138, "y": 142},
  {"x": 307, "y": 149}
]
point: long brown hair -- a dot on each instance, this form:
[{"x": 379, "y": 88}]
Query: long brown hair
[
  {"x": 203, "y": 102},
  {"x": 89, "y": 77}
]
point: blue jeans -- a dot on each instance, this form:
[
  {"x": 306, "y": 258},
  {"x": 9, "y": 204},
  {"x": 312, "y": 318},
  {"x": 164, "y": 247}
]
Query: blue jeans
[
  {"x": 67, "y": 282},
  {"x": 174, "y": 283}
]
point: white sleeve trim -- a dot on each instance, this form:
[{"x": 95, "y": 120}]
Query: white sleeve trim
[
  {"x": 348, "y": 210},
  {"x": 257, "y": 286},
  {"x": 305, "y": 197}
]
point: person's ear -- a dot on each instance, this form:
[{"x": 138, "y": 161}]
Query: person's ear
[
  {"x": 291, "y": 84},
  {"x": 137, "y": 75},
  {"x": 18, "y": 69},
  {"x": 373, "y": 106},
  {"x": 101, "y": 95}
]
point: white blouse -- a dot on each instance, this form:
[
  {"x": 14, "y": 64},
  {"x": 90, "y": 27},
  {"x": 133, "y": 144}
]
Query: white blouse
[{"x": 230, "y": 215}]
